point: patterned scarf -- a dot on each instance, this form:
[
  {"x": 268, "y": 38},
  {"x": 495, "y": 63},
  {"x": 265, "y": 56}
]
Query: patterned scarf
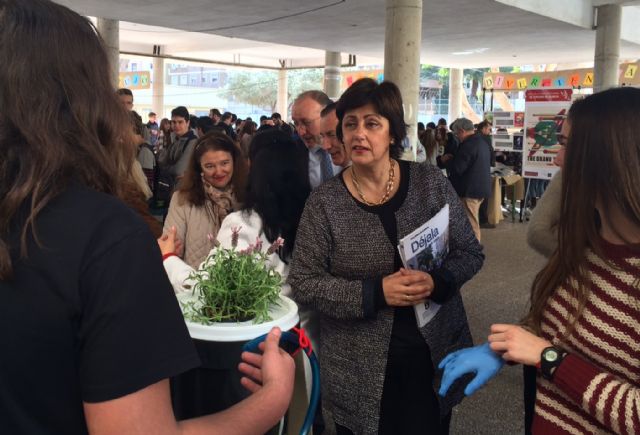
[{"x": 221, "y": 202}]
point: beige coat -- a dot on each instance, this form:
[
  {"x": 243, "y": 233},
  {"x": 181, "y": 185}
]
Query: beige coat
[
  {"x": 193, "y": 225},
  {"x": 542, "y": 234}
]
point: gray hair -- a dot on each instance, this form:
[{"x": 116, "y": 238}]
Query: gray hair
[
  {"x": 463, "y": 124},
  {"x": 316, "y": 95}
]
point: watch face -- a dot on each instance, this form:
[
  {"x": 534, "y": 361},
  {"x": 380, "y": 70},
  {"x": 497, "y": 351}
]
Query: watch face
[{"x": 551, "y": 355}]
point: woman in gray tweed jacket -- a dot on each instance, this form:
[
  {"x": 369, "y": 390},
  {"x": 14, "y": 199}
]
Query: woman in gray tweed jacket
[{"x": 377, "y": 366}]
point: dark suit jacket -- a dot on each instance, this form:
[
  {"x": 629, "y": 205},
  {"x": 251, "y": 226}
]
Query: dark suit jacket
[
  {"x": 228, "y": 129},
  {"x": 469, "y": 169},
  {"x": 303, "y": 153},
  {"x": 492, "y": 152}
]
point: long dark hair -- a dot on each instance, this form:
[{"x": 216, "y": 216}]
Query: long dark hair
[
  {"x": 191, "y": 185},
  {"x": 602, "y": 168},
  {"x": 59, "y": 115},
  {"x": 278, "y": 186}
]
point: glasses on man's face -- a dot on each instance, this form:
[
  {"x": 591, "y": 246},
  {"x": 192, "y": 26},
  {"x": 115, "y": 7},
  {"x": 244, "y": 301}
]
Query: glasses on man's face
[{"x": 306, "y": 123}]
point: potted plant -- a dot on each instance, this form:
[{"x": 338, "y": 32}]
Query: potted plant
[{"x": 235, "y": 288}]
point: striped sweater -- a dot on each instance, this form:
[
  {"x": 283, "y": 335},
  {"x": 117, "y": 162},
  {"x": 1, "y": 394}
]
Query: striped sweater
[{"x": 596, "y": 389}]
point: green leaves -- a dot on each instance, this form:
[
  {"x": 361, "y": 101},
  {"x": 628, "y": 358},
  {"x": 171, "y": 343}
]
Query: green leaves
[{"x": 233, "y": 286}]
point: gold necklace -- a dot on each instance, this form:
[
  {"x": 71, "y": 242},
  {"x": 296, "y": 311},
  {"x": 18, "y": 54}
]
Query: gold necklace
[{"x": 387, "y": 193}]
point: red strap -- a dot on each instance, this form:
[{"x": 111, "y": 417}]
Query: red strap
[
  {"x": 169, "y": 254},
  {"x": 304, "y": 341}
]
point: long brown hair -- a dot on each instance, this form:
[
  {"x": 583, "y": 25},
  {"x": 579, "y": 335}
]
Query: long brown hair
[
  {"x": 59, "y": 116},
  {"x": 428, "y": 140},
  {"x": 602, "y": 167},
  {"x": 165, "y": 126},
  {"x": 249, "y": 128},
  {"x": 191, "y": 186}
]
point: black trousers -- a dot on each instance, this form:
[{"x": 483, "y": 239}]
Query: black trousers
[
  {"x": 212, "y": 387},
  {"x": 529, "y": 373},
  {"x": 409, "y": 403}
]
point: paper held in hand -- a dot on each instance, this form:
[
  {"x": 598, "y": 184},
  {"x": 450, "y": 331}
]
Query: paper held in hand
[{"x": 425, "y": 249}]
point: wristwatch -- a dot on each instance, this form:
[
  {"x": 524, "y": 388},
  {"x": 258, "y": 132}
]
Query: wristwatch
[{"x": 550, "y": 359}]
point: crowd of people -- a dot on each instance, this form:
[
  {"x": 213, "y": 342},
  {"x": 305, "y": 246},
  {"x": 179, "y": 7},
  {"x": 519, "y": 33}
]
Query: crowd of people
[{"x": 91, "y": 276}]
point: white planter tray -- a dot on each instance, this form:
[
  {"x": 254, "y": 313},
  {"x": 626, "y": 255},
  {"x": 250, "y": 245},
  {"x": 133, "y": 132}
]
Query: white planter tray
[{"x": 283, "y": 315}]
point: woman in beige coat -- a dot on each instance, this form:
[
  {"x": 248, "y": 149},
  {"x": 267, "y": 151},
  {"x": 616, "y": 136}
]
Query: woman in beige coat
[{"x": 213, "y": 187}]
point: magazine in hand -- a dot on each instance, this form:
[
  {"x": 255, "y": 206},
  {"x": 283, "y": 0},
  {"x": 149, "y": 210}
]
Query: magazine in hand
[{"x": 425, "y": 249}]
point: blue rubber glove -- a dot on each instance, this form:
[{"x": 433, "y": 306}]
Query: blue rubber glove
[{"x": 480, "y": 360}]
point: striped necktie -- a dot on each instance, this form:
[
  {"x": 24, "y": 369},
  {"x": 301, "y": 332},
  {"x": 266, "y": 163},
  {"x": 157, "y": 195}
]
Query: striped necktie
[{"x": 326, "y": 168}]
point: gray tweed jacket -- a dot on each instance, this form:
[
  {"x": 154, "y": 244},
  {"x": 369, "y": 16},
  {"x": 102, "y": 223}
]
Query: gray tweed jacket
[{"x": 338, "y": 246}]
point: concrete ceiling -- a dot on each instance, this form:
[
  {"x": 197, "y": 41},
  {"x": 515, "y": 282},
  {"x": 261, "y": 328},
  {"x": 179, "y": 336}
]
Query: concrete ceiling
[{"x": 457, "y": 33}]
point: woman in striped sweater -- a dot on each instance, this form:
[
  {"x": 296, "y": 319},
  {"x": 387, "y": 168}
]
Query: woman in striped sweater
[{"x": 583, "y": 328}]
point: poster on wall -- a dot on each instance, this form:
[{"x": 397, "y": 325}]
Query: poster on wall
[
  {"x": 507, "y": 142},
  {"x": 505, "y": 119},
  {"x": 545, "y": 112}
]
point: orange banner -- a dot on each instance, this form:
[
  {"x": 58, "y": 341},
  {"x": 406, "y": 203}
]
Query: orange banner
[{"x": 576, "y": 78}]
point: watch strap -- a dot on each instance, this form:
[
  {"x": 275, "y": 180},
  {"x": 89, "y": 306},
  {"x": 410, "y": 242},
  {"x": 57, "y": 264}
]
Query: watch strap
[{"x": 549, "y": 366}]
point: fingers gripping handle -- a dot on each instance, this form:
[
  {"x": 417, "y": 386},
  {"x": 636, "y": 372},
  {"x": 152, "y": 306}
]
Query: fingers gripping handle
[
  {"x": 286, "y": 337},
  {"x": 297, "y": 340}
]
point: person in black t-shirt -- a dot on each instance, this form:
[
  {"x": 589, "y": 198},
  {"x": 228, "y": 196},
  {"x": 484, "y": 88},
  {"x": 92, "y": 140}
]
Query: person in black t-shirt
[{"x": 90, "y": 329}]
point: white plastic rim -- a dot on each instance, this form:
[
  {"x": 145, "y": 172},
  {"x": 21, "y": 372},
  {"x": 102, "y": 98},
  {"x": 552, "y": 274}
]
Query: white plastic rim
[{"x": 284, "y": 315}]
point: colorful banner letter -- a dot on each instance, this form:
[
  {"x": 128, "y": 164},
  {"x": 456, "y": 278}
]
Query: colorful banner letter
[
  {"x": 574, "y": 80},
  {"x": 134, "y": 80},
  {"x": 630, "y": 72}
]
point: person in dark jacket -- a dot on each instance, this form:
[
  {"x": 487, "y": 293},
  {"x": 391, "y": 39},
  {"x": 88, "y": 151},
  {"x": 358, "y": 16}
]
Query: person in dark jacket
[
  {"x": 469, "y": 170},
  {"x": 448, "y": 141},
  {"x": 484, "y": 131},
  {"x": 225, "y": 123}
]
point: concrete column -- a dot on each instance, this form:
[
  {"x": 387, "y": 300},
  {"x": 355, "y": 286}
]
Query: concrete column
[
  {"x": 109, "y": 30},
  {"x": 282, "y": 105},
  {"x": 455, "y": 94},
  {"x": 332, "y": 62},
  {"x": 157, "y": 86},
  {"x": 403, "y": 37},
  {"x": 607, "y": 56}
]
